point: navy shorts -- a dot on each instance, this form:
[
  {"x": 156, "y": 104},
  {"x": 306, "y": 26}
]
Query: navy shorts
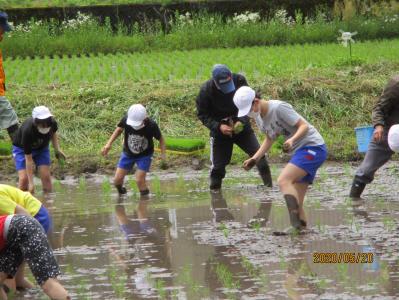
[
  {"x": 127, "y": 162},
  {"x": 43, "y": 217},
  {"x": 40, "y": 157},
  {"x": 309, "y": 159}
]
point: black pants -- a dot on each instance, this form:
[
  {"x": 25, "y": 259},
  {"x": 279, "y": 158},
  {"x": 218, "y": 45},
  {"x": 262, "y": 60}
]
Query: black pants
[{"x": 222, "y": 150}]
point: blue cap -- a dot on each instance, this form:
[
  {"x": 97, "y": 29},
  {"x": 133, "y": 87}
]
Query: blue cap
[
  {"x": 223, "y": 78},
  {"x": 3, "y": 22}
]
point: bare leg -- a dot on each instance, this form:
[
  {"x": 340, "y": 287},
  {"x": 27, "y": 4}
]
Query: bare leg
[
  {"x": 45, "y": 176},
  {"x": 302, "y": 188},
  {"x": 3, "y": 295},
  {"x": 20, "y": 280},
  {"x": 52, "y": 288},
  {"x": 118, "y": 180},
  {"x": 288, "y": 178},
  {"x": 22, "y": 180}
]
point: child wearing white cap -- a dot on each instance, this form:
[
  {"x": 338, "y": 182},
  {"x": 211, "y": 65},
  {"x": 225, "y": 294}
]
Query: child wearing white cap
[
  {"x": 138, "y": 147},
  {"x": 31, "y": 145},
  {"x": 302, "y": 141}
]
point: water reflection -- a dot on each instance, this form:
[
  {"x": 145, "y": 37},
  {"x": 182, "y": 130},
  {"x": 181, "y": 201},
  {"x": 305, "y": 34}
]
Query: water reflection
[
  {"x": 187, "y": 243},
  {"x": 146, "y": 257}
]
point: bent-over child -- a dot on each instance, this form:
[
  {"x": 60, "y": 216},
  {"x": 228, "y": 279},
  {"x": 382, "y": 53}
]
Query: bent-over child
[
  {"x": 22, "y": 238},
  {"x": 138, "y": 147},
  {"x": 302, "y": 141}
]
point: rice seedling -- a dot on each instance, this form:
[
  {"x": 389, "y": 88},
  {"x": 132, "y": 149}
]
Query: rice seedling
[
  {"x": 160, "y": 287},
  {"x": 133, "y": 185},
  {"x": 118, "y": 281},
  {"x": 156, "y": 187},
  {"x": 225, "y": 276},
  {"x": 82, "y": 183},
  {"x": 184, "y": 144},
  {"x": 286, "y": 60},
  {"x": 180, "y": 183},
  {"x": 224, "y": 229},
  {"x": 106, "y": 185},
  {"x": 389, "y": 223},
  {"x": 57, "y": 185},
  {"x": 193, "y": 288},
  {"x": 283, "y": 263}
]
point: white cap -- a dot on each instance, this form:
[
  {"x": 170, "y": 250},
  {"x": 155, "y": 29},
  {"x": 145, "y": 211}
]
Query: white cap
[
  {"x": 136, "y": 115},
  {"x": 41, "y": 113},
  {"x": 393, "y": 138},
  {"x": 243, "y": 99}
]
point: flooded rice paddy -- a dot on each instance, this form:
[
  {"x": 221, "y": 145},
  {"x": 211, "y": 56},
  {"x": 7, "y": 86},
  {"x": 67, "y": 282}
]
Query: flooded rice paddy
[{"x": 187, "y": 243}]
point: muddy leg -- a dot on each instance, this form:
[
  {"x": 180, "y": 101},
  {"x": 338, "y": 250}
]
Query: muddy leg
[
  {"x": 141, "y": 182},
  {"x": 118, "y": 180},
  {"x": 287, "y": 180}
]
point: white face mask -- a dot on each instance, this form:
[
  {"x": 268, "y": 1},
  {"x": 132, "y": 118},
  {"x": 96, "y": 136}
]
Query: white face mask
[
  {"x": 138, "y": 127},
  {"x": 43, "y": 130}
]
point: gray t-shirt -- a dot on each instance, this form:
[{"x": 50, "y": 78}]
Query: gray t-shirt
[{"x": 281, "y": 119}]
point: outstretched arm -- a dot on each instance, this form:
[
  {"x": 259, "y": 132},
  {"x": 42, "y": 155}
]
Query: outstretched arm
[{"x": 117, "y": 132}]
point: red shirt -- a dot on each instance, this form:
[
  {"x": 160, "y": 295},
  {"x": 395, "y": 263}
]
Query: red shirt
[
  {"x": 2, "y": 239},
  {"x": 2, "y": 77}
]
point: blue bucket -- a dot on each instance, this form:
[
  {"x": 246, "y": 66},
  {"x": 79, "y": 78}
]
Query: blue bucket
[{"x": 363, "y": 137}]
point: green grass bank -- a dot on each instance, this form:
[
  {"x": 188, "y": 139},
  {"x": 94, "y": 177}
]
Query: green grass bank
[
  {"x": 335, "y": 98},
  {"x": 86, "y": 36}
]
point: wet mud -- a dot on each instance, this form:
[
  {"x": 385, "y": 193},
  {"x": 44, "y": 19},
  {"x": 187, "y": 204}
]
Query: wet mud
[{"x": 184, "y": 242}]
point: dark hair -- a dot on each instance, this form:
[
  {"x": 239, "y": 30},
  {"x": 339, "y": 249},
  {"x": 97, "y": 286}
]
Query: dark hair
[
  {"x": 48, "y": 122},
  {"x": 258, "y": 94}
]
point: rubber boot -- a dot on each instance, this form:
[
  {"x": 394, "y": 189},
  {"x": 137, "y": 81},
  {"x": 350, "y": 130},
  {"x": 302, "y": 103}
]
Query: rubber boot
[
  {"x": 145, "y": 192},
  {"x": 264, "y": 172},
  {"x": 357, "y": 189},
  {"x": 215, "y": 184},
  {"x": 121, "y": 189},
  {"x": 293, "y": 211}
]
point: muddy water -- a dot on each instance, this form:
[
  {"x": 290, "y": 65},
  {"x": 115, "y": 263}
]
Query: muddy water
[{"x": 187, "y": 243}]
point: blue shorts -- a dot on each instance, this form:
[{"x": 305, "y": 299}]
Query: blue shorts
[
  {"x": 43, "y": 217},
  {"x": 309, "y": 159},
  {"x": 127, "y": 162},
  {"x": 40, "y": 157}
]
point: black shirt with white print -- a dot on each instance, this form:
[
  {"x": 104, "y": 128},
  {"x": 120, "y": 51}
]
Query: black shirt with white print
[
  {"x": 139, "y": 143},
  {"x": 29, "y": 138}
]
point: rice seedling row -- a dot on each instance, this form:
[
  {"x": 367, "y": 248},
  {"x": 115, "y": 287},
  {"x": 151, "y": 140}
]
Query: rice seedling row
[{"x": 254, "y": 62}]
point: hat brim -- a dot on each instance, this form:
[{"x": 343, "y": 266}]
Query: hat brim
[
  {"x": 244, "y": 111},
  {"x": 227, "y": 88},
  {"x": 44, "y": 116},
  {"x": 133, "y": 123}
]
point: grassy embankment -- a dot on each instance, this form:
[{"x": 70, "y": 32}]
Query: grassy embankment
[
  {"x": 88, "y": 102},
  {"x": 85, "y": 36},
  {"x": 65, "y": 3}
]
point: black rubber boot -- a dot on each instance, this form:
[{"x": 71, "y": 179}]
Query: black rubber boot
[
  {"x": 357, "y": 189},
  {"x": 12, "y": 130},
  {"x": 215, "y": 184},
  {"x": 293, "y": 211},
  {"x": 145, "y": 192},
  {"x": 264, "y": 172},
  {"x": 121, "y": 189}
]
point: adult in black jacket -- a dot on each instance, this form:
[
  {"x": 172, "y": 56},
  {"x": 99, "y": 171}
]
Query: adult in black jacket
[{"x": 216, "y": 110}]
